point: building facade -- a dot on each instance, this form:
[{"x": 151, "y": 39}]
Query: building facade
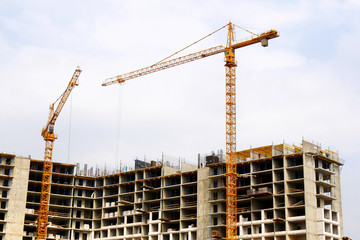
[{"x": 284, "y": 193}]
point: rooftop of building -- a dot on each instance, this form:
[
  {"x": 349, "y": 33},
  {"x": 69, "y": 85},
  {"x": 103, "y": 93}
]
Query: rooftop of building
[{"x": 247, "y": 155}]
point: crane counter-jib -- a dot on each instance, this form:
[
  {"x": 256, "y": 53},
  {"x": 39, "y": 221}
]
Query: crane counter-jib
[{"x": 264, "y": 36}]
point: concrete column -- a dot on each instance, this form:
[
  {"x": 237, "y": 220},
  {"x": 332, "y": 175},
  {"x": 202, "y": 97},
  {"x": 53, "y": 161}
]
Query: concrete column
[
  {"x": 203, "y": 205},
  {"x": 17, "y": 199},
  {"x": 310, "y": 192},
  {"x": 337, "y": 206}
]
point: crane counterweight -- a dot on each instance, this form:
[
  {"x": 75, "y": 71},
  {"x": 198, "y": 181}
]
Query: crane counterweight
[{"x": 265, "y": 42}]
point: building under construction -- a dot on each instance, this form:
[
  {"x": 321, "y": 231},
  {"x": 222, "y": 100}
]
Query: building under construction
[{"x": 283, "y": 192}]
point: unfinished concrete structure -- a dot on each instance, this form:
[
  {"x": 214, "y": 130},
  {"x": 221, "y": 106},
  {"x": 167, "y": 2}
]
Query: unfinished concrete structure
[{"x": 284, "y": 193}]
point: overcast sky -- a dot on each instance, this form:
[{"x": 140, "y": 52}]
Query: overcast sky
[{"x": 304, "y": 85}]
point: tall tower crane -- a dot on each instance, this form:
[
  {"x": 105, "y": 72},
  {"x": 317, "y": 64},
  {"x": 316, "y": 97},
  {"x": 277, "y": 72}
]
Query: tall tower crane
[
  {"x": 49, "y": 137},
  {"x": 230, "y": 65}
]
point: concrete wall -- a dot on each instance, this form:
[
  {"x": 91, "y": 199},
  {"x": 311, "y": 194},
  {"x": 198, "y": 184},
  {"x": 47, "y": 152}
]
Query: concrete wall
[
  {"x": 310, "y": 192},
  {"x": 203, "y": 206},
  {"x": 169, "y": 171},
  {"x": 337, "y": 205},
  {"x": 17, "y": 199},
  {"x": 185, "y": 167}
]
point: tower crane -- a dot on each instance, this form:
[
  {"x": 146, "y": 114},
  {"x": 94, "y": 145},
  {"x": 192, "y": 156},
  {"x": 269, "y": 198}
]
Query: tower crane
[
  {"x": 49, "y": 137},
  {"x": 230, "y": 81}
]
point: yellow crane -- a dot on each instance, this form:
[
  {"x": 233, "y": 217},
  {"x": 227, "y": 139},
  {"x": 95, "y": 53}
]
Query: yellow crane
[
  {"x": 49, "y": 137},
  {"x": 230, "y": 81}
]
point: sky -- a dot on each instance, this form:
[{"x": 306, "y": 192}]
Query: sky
[{"x": 305, "y": 85}]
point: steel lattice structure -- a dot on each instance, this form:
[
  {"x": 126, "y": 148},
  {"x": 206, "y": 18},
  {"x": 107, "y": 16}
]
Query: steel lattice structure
[{"x": 49, "y": 137}]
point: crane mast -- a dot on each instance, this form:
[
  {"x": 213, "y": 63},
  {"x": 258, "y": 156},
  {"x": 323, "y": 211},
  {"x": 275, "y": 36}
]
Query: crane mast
[
  {"x": 230, "y": 82},
  {"x": 49, "y": 137}
]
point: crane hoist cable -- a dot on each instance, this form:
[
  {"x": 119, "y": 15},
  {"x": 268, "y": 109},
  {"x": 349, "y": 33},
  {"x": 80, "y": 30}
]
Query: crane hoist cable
[
  {"x": 70, "y": 121},
  {"x": 118, "y": 126}
]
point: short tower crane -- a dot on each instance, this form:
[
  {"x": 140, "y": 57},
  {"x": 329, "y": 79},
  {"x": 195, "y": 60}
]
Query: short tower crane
[{"x": 49, "y": 137}]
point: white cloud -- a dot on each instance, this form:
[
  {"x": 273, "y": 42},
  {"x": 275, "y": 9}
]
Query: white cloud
[{"x": 304, "y": 84}]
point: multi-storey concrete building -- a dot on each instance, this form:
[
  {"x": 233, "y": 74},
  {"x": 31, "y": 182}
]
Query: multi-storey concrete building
[{"x": 284, "y": 193}]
